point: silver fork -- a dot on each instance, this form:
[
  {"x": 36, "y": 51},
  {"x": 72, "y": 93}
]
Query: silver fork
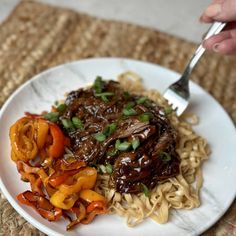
[{"x": 178, "y": 94}]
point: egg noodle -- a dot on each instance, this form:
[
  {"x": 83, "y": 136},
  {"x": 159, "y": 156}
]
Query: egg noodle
[{"x": 180, "y": 192}]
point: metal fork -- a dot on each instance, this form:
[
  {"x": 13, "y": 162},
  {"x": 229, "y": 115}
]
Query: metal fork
[{"x": 178, "y": 94}]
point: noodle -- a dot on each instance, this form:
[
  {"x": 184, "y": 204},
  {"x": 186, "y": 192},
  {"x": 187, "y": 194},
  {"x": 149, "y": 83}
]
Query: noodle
[{"x": 180, "y": 192}]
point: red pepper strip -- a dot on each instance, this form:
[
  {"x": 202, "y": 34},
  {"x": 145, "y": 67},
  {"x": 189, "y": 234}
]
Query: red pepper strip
[
  {"x": 96, "y": 205},
  {"x": 41, "y": 205},
  {"x": 94, "y": 208},
  {"x": 59, "y": 178},
  {"x": 32, "y": 115},
  {"x": 80, "y": 214},
  {"x": 57, "y": 148},
  {"x": 77, "y": 164}
]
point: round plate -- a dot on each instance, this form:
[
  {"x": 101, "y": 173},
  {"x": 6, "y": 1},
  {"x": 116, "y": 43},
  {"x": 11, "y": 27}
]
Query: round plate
[{"x": 219, "y": 173}]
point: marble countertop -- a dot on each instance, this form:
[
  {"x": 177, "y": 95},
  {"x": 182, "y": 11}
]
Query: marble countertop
[{"x": 179, "y": 18}]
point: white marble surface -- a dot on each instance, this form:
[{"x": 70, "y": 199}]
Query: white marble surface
[{"x": 178, "y": 17}]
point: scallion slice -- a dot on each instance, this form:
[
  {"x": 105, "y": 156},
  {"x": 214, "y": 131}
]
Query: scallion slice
[
  {"x": 165, "y": 157},
  {"x": 145, "y": 190},
  {"x": 100, "y": 137},
  {"x": 98, "y": 84},
  {"x": 51, "y": 116},
  {"x": 77, "y": 123},
  {"x": 67, "y": 123},
  {"x": 135, "y": 143},
  {"x": 145, "y": 117},
  {"x": 110, "y": 129},
  {"x": 141, "y": 100},
  {"x": 168, "y": 110},
  {"x": 112, "y": 153},
  {"x": 129, "y": 112},
  {"x": 109, "y": 168},
  {"x": 122, "y": 146},
  {"x": 130, "y": 105},
  {"x": 61, "y": 107}
]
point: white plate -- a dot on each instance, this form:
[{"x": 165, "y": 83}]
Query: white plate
[{"x": 219, "y": 172}]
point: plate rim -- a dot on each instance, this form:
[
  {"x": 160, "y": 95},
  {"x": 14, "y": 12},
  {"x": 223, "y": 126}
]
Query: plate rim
[{"x": 40, "y": 226}]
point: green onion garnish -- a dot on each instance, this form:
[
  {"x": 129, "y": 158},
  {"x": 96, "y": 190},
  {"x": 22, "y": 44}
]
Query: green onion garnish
[
  {"x": 165, "y": 157},
  {"x": 103, "y": 169},
  {"x": 104, "y": 96},
  {"x": 67, "y": 123},
  {"x": 51, "y": 116},
  {"x": 109, "y": 169},
  {"x": 100, "y": 137},
  {"x": 145, "y": 117},
  {"x": 168, "y": 110},
  {"x": 141, "y": 100},
  {"x": 135, "y": 143},
  {"x": 98, "y": 84},
  {"x": 129, "y": 112},
  {"x": 61, "y": 107},
  {"x": 130, "y": 105},
  {"x": 145, "y": 190},
  {"x": 110, "y": 129},
  {"x": 77, "y": 123},
  {"x": 126, "y": 95},
  {"x": 112, "y": 153},
  {"x": 56, "y": 103},
  {"x": 122, "y": 146}
]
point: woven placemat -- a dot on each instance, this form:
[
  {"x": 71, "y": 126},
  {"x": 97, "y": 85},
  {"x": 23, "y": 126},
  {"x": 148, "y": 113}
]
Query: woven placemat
[{"x": 37, "y": 36}]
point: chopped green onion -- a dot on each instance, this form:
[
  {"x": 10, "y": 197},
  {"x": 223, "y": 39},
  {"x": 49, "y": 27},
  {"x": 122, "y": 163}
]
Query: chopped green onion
[
  {"x": 103, "y": 169},
  {"x": 141, "y": 100},
  {"x": 109, "y": 169},
  {"x": 126, "y": 95},
  {"x": 168, "y": 110},
  {"x": 98, "y": 84},
  {"x": 100, "y": 137},
  {"x": 67, "y": 123},
  {"x": 145, "y": 117},
  {"x": 122, "y": 146},
  {"x": 51, "y": 116},
  {"x": 130, "y": 105},
  {"x": 112, "y": 153},
  {"x": 129, "y": 112},
  {"x": 106, "y": 94},
  {"x": 135, "y": 143},
  {"x": 148, "y": 103},
  {"x": 56, "y": 103},
  {"x": 110, "y": 129},
  {"x": 165, "y": 157},
  {"x": 61, "y": 107},
  {"x": 77, "y": 123},
  {"x": 145, "y": 190}
]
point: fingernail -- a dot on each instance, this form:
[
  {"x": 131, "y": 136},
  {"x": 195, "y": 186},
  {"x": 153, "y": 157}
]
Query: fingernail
[
  {"x": 213, "y": 10},
  {"x": 216, "y": 47}
]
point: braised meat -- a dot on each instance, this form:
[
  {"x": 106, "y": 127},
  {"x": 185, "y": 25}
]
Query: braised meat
[{"x": 129, "y": 132}]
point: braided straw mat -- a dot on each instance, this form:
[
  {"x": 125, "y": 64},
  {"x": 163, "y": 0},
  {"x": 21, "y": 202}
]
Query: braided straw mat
[{"x": 37, "y": 36}]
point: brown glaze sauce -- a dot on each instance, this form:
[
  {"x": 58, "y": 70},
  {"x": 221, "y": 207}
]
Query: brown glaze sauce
[{"x": 147, "y": 124}]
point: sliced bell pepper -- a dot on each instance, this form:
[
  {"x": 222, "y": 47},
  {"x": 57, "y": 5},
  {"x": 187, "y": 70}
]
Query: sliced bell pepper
[
  {"x": 57, "y": 148},
  {"x": 89, "y": 196},
  {"x": 41, "y": 205}
]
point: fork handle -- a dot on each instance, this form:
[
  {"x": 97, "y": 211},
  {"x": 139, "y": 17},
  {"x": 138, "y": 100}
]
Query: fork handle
[{"x": 214, "y": 29}]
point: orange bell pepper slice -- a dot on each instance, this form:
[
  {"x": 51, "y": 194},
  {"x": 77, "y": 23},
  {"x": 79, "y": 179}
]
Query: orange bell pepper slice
[
  {"x": 41, "y": 205},
  {"x": 89, "y": 196},
  {"x": 57, "y": 148}
]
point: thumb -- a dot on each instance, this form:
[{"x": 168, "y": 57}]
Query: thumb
[{"x": 222, "y": 11}]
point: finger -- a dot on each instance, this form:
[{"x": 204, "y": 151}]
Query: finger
[
  {"x": 222, "y": 11},
  {"x": 226, "y": 47},
  {"x": 216, "y": 39},
  {"x": 206, "y": 19}
]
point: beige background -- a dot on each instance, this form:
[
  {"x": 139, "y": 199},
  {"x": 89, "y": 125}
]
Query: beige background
[{"x": 178, "y": 17}]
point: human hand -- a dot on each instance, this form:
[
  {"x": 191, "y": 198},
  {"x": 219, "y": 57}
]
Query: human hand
[{"x": 225, "y": 11}]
